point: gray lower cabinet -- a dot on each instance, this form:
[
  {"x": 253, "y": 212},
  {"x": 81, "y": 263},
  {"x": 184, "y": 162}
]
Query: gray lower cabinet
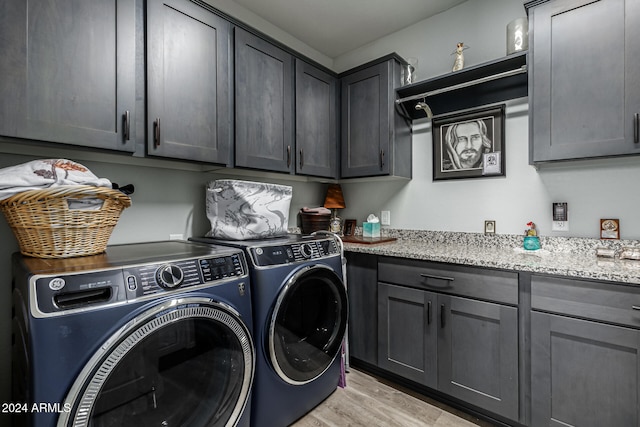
[
  {"x": 316, "y": 108},
  {"x": 407, "y": 333},
  {"x": 585, "y": 353},
  {"x": 583, "y": 102},
  {"x": 432, "y": 333},
  {"x": 376, "y": 140},
  {"x": 68, "y": 72},
  {"x": 362, "y": 277},
  {"x": 583, "y": 373},
  {"x": 189, "y": 82},
  {"x": 264, "y": 104}
]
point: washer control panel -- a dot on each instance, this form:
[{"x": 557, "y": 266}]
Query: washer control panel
[
  {"x": 278, "y": 254},
  {"x": 154, "y": 278},
  {"x": 93, "y": 289}
]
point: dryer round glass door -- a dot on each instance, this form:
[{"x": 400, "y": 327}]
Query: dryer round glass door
[
  {"x": 307, "y": 325},
  {"x": 185, "y": 362}
]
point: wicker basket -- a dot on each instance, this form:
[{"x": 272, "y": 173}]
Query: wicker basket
[{"x": 46, "y": 228}]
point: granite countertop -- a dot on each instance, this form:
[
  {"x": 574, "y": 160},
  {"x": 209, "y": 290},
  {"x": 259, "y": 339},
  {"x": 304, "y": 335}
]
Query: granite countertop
[{"x": 571, "y": 257}]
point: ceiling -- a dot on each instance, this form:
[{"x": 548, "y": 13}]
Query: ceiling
[{"x": 335, "y": 27}]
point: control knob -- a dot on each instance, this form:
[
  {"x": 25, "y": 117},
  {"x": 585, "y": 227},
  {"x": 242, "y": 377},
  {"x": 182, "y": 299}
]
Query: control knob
[
  {"x": 306, "y": 251},
  {"x": 169, "y": 276}
]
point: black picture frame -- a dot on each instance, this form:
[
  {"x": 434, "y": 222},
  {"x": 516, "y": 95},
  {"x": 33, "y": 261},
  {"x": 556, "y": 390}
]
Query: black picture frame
[
  {"x": 349, "y": 227},
  {"x": 483, "y": 129}
]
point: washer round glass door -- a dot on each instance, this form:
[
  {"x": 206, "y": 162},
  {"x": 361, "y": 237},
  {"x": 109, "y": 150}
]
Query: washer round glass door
[
  {"x": 308, "y": 323},
  {"x": 185, "y": 362}
]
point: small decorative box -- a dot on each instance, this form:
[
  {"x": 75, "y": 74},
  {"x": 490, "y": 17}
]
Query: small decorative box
[{"x": 370, "y": 229}]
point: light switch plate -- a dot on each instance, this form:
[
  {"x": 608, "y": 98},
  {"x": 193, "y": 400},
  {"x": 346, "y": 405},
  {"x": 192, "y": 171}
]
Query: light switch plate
[{"x": 385, "y": 218}]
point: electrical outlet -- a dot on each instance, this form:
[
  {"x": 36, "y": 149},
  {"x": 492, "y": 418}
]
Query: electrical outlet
[
  {"x": 385, "y": 218},
  {"x": 560, "y": 226},
  {"x": 176, "y": 237}
]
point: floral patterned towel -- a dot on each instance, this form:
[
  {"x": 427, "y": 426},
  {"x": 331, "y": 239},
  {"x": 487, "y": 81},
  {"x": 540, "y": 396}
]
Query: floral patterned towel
[
  {"x": 41, "y": 174},
  {"x": 241, "y": 210}
]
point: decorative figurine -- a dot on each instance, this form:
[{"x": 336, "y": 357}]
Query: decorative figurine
[
  {"x": 459, "y": 62},
  {"x": 531, "y": 231},
  {"x": 531, "y": 240}
]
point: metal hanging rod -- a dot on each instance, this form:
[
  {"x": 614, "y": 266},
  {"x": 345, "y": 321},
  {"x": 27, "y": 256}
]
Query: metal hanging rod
[{"x": 520, "y": 70}]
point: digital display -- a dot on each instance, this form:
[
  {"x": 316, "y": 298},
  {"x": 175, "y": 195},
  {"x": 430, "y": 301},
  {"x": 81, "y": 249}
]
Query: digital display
[{"x": 220, "y": 268}]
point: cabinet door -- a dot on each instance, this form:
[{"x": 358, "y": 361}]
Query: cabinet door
[
  {"x": 583, "y": 373},
  {"x": 188, "y": 79},
  {"x": 366, "y": 126},
  {"x": 263, "y": 104},
  {"x": 68, "y": 71},
  {"x": 584, "y": 100},
  {"x": 478, "y": 353},
  {"x": 316, "y": 129},
  {"x": 407, "y": 339},
  {"x": 363, "y": 307}
]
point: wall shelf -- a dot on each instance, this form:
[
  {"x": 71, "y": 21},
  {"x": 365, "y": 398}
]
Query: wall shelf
[{"x": 486, "y": 83}]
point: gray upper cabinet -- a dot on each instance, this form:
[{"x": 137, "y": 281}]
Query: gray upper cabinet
[
  {"x": 584, "y": 96},
  {"x": 68, "y": 72},
  {"x": 316, "y": 111},
  {"x": 189, "y": 82},
  {"x": 376, "y": 140},
  {"x": 264, "y": 115}
]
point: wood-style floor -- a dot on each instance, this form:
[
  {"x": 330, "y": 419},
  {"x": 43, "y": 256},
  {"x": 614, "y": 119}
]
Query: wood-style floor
[{"x": 370, "y": 402}]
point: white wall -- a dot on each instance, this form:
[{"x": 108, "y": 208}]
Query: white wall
[{"x": 594, "y": 189}]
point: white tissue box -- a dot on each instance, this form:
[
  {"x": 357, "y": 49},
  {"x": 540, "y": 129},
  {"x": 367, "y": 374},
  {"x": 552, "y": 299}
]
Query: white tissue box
[{"x": 370, "y": 229}]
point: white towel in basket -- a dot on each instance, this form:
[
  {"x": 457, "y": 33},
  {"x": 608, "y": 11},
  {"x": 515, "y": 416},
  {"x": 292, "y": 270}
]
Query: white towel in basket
[{"x": 45, "y": 173}]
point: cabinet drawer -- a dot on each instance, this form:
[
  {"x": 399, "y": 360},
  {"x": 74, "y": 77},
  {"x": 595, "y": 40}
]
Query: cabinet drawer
[
  {"x": 607, "y": 302},
  {"x": 486, "y": 284}
]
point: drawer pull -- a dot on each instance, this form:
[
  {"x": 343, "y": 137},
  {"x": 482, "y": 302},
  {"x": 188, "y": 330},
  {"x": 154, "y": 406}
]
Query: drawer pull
[
  {"x": 431, "y": 276},
  {"x": 635, "y": 307},
  {"x": 428, "y": 312}
]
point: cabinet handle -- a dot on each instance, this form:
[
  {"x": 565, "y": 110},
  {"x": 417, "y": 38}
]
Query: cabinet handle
[
  {"x": 156, "y": 132},
  {"x": 431, "y": 276},
  {"x": 442, "y": 316},
  {"x": 381, "y": 159},
  {"x": 636, "y": 128},
  {"x": 126, "y": 126},
  {"x": 428, "y": 312},
  {"x": 301, "y": 159},
  {"x": 635, "y": 307},
  {"x": 288, "y": 155}
]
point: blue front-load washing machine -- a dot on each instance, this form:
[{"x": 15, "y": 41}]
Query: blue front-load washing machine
[
  {"x": 148, "y": 334},
  {"x": 300, "y": 317}
]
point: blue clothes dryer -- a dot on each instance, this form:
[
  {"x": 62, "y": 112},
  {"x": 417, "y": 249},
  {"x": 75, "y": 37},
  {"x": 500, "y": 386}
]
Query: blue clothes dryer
[
  {"x": 300, "y": 312},
  {"x": 149, "y": 334}
]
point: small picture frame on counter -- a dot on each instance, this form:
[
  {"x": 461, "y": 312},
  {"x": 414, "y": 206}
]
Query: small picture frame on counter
[
  {"x": 349, "y": 227},
  {"x": 489, "y": 227},
  {"x": 610, "y": 229}
]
